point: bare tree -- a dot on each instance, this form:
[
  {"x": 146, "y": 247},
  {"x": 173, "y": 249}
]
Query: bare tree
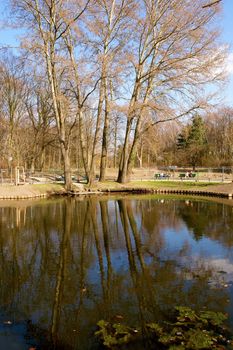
[
  {"x": 48, "y": 23},
  {"x": 40, "y": 123},
  {"x": 12, "y": 93},
  {"x": 174, "y": 54},
  {"x": 219, "y": 136},
  {"x": 109, "y": 28},
  {"x": 142, "y": 62}
]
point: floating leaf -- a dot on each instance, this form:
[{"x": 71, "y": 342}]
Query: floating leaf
[
  {"x": 190, "y": 330},
  {"x": 154, "y": 327},
  {"x": 215, "y": 318},
  {"x": 197, "y": 339}
]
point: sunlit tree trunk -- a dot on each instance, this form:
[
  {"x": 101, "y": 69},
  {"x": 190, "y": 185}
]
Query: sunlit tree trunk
[{"x": 104, "y": 152}]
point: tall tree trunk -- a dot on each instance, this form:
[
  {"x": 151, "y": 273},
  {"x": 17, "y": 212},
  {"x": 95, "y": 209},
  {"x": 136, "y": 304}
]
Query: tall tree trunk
[
  {"x": 32, "y": 166},
  {"x": 140, "y": 154},
  {"x": 115, "y": 143},
  {"x": 82, "y": 146},
  {"x": 84, "y": 151},
  {"x": 42, "y": 159},
  {"x": 49, "y": 50},
  {"x": 134, "y": 146},
  {"x": 97, "y": 131},
  {"x": 123, "y": 176},
  {"x": 138, "y": 127},
  {"x": 66, "y": 164},
  {"x": 104, "y": 153}
]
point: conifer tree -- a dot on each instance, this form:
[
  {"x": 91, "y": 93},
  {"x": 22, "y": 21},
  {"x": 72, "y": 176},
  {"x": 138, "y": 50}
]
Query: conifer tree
[{"x": 192, "y": 140}]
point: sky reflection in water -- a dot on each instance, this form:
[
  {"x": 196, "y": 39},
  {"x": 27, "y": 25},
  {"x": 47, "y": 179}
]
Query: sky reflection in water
[{"x": 66, "y": 264}]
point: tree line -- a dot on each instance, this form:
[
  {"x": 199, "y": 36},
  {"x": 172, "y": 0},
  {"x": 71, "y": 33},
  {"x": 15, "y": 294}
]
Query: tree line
[
  {"x": 99, "y": 83},
  {"x": 203, "y": 141}
]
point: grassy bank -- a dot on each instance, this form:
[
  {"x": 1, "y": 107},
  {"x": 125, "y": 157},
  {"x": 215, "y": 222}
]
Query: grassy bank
[
  {"x": 43, "y": 190},
  {"x": 29, "y": 191},
  {"x": 156, "y": 184},
  {"x": 173, "y": 184},
  {"x": 216, "y": 189}
]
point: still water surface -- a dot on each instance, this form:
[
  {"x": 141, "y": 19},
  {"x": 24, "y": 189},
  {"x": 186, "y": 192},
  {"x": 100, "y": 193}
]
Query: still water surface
[{"x": 65, "y": 264}]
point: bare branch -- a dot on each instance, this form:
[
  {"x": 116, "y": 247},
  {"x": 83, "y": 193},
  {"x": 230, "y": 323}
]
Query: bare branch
[{"x": 211, "y": 4}]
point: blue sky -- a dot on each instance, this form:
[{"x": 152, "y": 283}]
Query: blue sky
[
  {"x": 10, "y": 37},
  {"x": 227, "y": 26}
]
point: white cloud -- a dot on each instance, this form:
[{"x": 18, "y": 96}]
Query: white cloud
[{"x": 221, "y": 264}]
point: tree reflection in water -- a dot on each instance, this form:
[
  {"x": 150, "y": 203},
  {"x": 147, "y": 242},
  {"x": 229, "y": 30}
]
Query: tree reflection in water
[{"x": 67, "y": 263}]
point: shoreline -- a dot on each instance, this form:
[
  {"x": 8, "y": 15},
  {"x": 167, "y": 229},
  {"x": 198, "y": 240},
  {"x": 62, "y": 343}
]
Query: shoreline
[{"x": 36, "y": 191}]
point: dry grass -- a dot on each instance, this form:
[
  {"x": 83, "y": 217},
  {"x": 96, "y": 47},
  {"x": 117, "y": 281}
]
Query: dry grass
[{"x": 27, "y": 190}]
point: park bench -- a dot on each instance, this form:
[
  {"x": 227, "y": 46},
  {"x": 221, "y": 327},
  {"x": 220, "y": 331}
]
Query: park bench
[
  {"x": 162, "y": 176},
  {"x": 192, "y": 175},
  {"x": 185, "y": 176}
]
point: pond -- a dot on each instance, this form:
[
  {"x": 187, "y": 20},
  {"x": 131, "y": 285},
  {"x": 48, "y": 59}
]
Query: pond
[{"x": 67, "y": 263}]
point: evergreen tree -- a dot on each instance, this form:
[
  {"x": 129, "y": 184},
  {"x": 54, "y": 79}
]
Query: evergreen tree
[
  {"x": 197, "y": 132},
  {"x": 182, "y": 140},
  {"x": 196, "y": 141},
  {"x": 192, "y": 141}
]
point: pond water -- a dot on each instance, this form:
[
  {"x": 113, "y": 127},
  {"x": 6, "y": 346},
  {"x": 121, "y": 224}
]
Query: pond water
[{"x": 66, "y": 264}]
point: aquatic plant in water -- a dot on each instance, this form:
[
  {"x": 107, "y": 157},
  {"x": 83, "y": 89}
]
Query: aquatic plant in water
[{"x": 190, "y": 330}]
